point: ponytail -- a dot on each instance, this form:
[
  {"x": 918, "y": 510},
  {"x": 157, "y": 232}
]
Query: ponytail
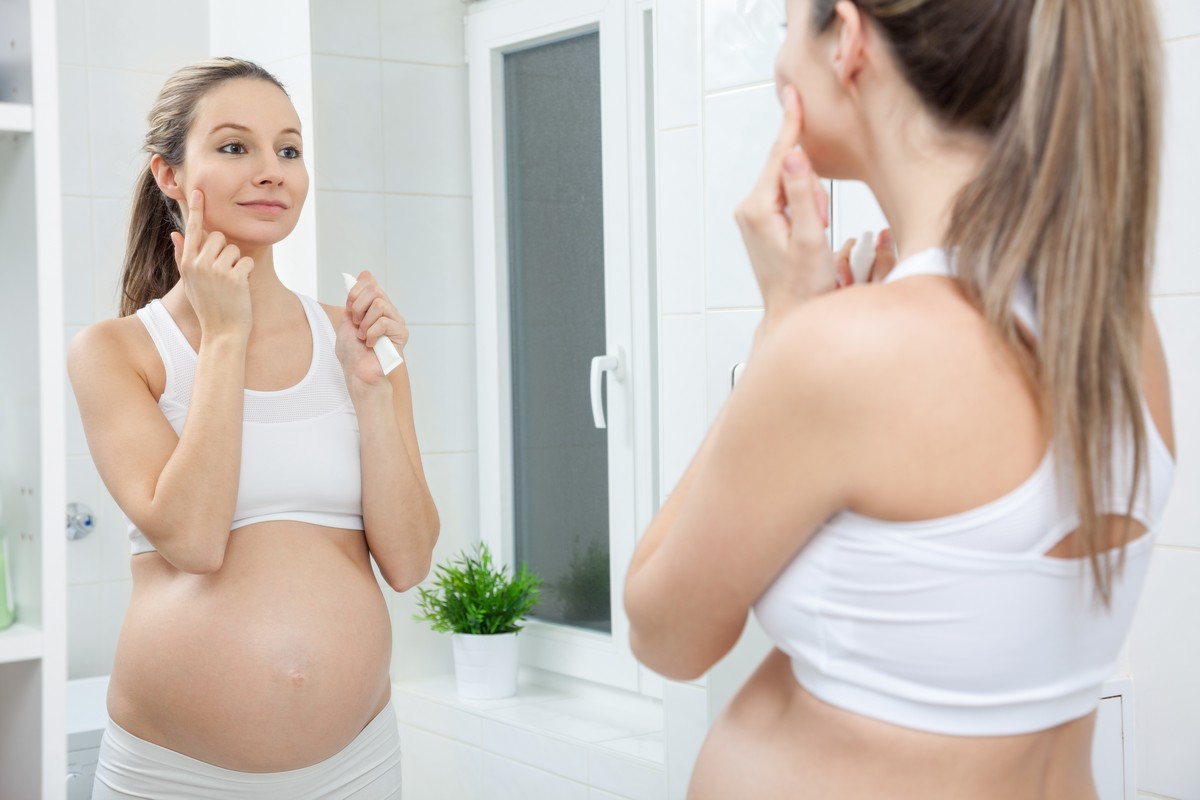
[
  {"x": 150, "y": 271},
  {"x": 1068, "y": 93}
]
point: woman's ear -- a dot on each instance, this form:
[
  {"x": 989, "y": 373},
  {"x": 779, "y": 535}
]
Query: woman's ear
[
  {"x": 849, "y": 53},
  {"x": 167, "y": 178}
]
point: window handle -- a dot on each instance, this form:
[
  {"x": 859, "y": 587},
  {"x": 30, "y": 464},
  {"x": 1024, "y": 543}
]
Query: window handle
[{"x": 615, "y": 366}]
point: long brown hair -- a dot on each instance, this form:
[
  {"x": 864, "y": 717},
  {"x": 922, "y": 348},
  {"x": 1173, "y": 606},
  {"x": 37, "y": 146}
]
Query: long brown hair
[
  {"x": 149, "y": 270},
  {"x": 1068, "y": 93}
]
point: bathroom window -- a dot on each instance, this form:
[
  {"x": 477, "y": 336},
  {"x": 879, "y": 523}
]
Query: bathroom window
[{"x": 565, "y": 329}]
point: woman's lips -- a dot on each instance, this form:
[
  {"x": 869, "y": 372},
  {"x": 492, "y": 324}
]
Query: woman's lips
[{"x": 265, "y": 207}]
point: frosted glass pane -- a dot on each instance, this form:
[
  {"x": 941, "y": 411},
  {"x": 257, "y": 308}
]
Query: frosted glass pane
[{"x": 556, "y": 284}]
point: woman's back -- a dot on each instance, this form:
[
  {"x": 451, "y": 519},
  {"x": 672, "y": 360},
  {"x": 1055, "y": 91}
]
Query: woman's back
[{"x": 957, "y": 443}]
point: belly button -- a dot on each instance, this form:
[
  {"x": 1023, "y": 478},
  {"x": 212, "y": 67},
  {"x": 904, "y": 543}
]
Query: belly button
[{"x": 297, "y": 678}]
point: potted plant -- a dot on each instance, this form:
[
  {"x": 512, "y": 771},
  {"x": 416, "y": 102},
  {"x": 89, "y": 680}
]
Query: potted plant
[{"x": 482, "y": 606}]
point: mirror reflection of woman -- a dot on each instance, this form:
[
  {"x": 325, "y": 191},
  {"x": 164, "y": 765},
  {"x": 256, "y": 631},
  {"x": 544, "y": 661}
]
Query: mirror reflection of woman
[
  {"x": 937, "y": 491},
  {"x": 262, "y": 459}
]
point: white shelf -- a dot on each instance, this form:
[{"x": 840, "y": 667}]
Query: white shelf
[
  {"x": 16, "y": 117},
  {"x": 20, "y": 643}
]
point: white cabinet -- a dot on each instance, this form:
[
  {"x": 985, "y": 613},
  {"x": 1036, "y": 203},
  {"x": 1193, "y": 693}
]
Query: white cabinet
[{"x": 33, "y": 651}]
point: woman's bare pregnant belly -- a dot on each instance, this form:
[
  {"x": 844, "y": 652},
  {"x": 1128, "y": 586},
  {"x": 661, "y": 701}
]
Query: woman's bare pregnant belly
[
  {"x": 775, "y": 741},
  {"x": 274, "y": 662}
]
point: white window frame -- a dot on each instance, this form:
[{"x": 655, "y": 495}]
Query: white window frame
[{"x": 493, "y": 28}]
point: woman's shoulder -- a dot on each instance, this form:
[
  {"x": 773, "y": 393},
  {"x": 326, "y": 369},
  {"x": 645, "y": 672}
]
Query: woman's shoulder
[{"x": 109, "y": 343}]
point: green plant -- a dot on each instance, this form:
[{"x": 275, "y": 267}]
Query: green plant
[{"x": 471, "y": 595}]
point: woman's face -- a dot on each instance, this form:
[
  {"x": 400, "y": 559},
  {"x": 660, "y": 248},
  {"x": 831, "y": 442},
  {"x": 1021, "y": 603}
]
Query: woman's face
[
  {"x": 244, "y": 152},
  {"x": 807, "y": 61}
]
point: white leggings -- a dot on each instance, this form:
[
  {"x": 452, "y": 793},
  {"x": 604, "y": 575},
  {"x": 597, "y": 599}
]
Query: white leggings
[{"x": 366, "y": 769}]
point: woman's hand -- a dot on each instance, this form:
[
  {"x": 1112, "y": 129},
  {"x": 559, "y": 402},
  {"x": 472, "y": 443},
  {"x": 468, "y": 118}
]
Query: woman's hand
[
  {"x": 369, "y": 315},
  {"x": 215, "y": 275},
  {"x": 783, "y": 222},
  {"x": 886, "y": 258}
]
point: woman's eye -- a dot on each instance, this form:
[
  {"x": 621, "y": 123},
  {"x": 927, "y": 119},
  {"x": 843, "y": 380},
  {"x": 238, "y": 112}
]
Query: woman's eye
[
  {"x": 233, "y": 148},
  {"x": 290, "y": 152}
]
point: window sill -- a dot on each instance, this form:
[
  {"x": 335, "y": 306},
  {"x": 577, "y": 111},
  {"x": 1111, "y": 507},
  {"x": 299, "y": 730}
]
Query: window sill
[{"x": 599, "y": 737}]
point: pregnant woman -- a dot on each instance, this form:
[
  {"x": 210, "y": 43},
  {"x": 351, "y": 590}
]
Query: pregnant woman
[
  {"x": 937, "y": 491},
  {"x": 263, "y": 460}
]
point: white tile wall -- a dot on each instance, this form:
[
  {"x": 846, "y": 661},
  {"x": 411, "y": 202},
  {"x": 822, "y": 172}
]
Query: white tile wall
[
  {"x": 266, "y": 31},
  {"x": 346, "y": 27},
  {"x": 1166, "y": 649},
  {"x": 681, "y": 237},
  {"x": 426, "y": 129},
  {"x": 682, "y": 379},
  {"x": 430, "y": 270},
  {"x": 73, "y": 135},
  {"x": 350, "y": 238},
  {"x": 1179, "y": 18},
  {"x": 1175, "y": 271},
  {"x": 72, "y": 32},
  {"x": 78, "y": 271},
  {"x": 1177, "y": 319},
  {"x": 741, "y": 38},
  {"x": 349, "y": 123},
  {"x": 442, "y": 367},
  {"x": 118, "y": 101},
  {"x": 686, "y": 719},
  {"x": 728, "y": 336},
  {"x": 143, "y": 35},
  {"x": 678, "y": 64},
  {"x": 110, "y": 227},
  {"x": 739, "y": 129},
  {"x": 422, "y": 31}
]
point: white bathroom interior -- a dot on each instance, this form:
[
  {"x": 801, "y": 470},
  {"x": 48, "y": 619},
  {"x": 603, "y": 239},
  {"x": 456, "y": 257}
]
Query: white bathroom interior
[{"x": 406, "y": 143}]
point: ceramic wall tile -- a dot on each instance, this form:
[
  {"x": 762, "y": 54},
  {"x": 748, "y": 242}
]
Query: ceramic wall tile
[
  {"x": 728, "y": 336},
  {"x": 426, "y": 127},
  {"x": 1179, "y": 18},
  {"x": 1164, "y": 655},
  {"x": 680, "y": 221},
  {"x": 682, "y": 389},
  {"x": 423, "y": 31},
  {"x": 628, "y": 777},
  {"x": 430, "y": 270},
  {"x": 118, "y": 102},
  {"x": 83, "y": 555},
  {"x": 686, "y": 716},
  {"x": 146, "y": 35},
  {"x": 854, "y": 211},
  {"x": 236, "y": 29},
  {"x": 550, "y": 753},
  {"x": 350, "y": 238},
  {"x": 678, "y": 64},
  {"x": 1175, "y": 271},
  {"x": 1179, "y": 326},
  {"x": 76, "y": 440},
  {"x": 73, "y": 130},
  {"x": 72, "y": 32},
  {"x": 110, "y": 226},
  {"x": 84, "y": 658},
  {"x": 347, "y": 27},
  {"x": 739, "y": 130},
  {"x": 78, "y": 278},
  {"x": 114, "y": 602},
  {"x": 741, "y": 39},
  {"x": 349, "y": 94},
  {"x": 441, "y": 365}
]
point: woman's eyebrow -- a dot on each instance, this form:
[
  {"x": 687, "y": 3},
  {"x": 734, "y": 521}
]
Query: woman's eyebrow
[{"x": 235, "y": 126}]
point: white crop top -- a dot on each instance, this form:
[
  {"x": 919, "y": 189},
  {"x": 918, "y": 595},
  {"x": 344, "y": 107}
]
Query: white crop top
[
  {"x": 300, "y": 445},
  {"x": 962, "y": 625}
]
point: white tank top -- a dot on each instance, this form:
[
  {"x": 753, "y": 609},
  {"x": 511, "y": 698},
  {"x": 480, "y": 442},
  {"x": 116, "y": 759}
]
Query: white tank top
[
  {"x": 962, "y": 625},
  {"x": 300, "y": 445}
]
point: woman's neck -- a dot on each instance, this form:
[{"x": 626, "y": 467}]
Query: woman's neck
[{"x": 917, "y": 173}]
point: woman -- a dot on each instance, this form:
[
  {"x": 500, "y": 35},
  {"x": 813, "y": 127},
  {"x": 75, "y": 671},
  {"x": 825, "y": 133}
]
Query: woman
[
  {"x": 262, "y": 459},
  {"x": 937, "y": 491}
]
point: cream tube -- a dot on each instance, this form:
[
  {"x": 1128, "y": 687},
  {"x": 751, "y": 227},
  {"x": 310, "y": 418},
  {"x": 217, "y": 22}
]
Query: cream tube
[
  {"x": 862, "y": 256},
  {"x": 385, "y": 351}
]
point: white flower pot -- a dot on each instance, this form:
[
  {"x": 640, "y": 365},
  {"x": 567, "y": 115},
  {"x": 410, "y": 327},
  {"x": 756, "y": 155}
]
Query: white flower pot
[{"x": 485, "y": 667}]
